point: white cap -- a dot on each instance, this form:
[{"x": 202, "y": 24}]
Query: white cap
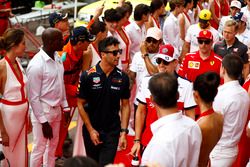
[{"x": 235, "y": 3}]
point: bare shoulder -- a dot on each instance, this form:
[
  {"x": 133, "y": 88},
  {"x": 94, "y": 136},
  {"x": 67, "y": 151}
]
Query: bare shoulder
[{"x": 2, "y": 67}]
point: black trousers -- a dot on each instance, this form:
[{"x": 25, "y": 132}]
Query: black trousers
[{"x": 103, "y": 153}]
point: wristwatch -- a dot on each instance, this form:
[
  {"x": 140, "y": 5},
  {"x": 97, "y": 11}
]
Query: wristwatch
[
  {"x": 145, "y": 55},
  {"x": 124, "y": 130}
]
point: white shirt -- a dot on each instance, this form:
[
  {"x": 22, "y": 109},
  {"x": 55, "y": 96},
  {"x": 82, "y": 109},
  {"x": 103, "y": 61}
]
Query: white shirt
[
  {"x": 244, "y": 37},
  {"x": 232, "y": 101},
  {"x": 185, "y": 89},
  {"x": 137, "y": 35},
  {"x": 223, "y": 20},
  {"x": 171, "y": 32},
  {"x": 138, "y": 66},
  {"x": 176, "y": 142},
  {"x": 45, "y": 84},
  {"x": 192, "y": 34},
  {"x": 246, "y": 11}
]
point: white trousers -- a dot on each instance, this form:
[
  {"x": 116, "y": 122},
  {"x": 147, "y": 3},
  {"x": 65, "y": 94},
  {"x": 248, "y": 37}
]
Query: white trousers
[
  {"x": 43, "y": 150},
  {"x": 223, "y": 157}
]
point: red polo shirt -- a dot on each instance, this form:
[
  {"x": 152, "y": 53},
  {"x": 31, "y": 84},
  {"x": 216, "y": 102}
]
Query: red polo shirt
[{"x": 193, "y": 65}]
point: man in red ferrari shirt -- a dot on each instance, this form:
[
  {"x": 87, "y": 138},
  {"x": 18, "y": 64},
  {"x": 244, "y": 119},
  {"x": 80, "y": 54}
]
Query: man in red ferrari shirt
[{"x": 201, "y": 61}]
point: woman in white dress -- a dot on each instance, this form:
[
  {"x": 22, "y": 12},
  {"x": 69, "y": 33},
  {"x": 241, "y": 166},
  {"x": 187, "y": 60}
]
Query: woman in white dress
[{"x": 13, "y": 101}]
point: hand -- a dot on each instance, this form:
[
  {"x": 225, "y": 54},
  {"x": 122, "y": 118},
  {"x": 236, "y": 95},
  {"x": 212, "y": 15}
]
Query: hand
[
  {"x": 135, "y": 149},
  {"x": 123, "y": 141},
  {"x": 98, "y": 11},
  {"x": 248, "y": 129},
  {"x": 47, "y": 130},
  {"x": 143, "y": 48},
  {"x": 29, "y": 126},
  {"x": 94, "y": 135},
  {"x": 5, "y": 138},
  {"x": 67, "y": 118}
]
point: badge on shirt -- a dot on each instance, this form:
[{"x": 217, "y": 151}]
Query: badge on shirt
[
  {"x": 194, "y": 64},
  {"x": 212, "y": 63},
  {"x": 235, "y": 49},
  {"x": 96, "y": 80}
]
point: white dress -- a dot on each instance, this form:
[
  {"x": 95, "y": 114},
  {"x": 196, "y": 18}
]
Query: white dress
[{"x": 14, "y": 109}]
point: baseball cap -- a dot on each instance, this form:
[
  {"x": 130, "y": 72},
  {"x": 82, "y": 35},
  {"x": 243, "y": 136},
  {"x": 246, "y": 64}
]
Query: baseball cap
[
  {"x": 205, "y": 34},
  {"x": 81, "y": 33},
  {"x": 154, "y": 32},
  {"x": 205, "y": 15},
  {"x": 240, "y": 16},
  {"x": 166, "y": 52},
  {"x": 236, "y": 4},
  {"x": 56, "y": 17}
]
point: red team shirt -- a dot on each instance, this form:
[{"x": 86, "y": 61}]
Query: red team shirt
[{"x": 193, "y": 65}]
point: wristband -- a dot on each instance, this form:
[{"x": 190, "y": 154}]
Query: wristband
[
  {"x": 124, "y": 130},
  {"x": 66, "y": 109},
  {"x": 137, "y": 140}
]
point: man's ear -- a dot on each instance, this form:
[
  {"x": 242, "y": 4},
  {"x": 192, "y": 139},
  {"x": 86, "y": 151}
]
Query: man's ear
[{"x": 196, "y": 96}]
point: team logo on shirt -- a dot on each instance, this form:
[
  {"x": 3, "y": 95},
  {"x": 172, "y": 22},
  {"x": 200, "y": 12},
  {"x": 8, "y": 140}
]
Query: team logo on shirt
[
  {"x": 235, "y": 49},
  {"x": 194, "y": 64},
  {"x": 96, "y": 80},
  {"x": 212, "y": 63}
]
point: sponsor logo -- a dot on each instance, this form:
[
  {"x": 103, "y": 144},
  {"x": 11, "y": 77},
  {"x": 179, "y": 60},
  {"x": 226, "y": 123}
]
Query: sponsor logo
[
  {"x": 194, "y": 64},
  {"x": 115, "y": 88},
  {"x": 96, "y": 80}
]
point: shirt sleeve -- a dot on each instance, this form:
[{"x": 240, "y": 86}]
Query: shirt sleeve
[
  {"x": 126, "y": 91},
  {"x": 133, "y": 65},
  {"x": 183, "y": 68},
  {"x": 140, "y": 96},
  {"x": 35, "y": 76},
  {"x": 189, "y": 98},
  {"x": 82, "y": 90},
  {"x": 188, "y": 35}
]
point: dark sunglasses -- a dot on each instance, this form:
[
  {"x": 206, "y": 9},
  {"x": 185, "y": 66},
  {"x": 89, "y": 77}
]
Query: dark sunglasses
[
  {"x": 200, "y": 41},
  {"x": 150, "y": 39},
  {"x": 158, "y": 61},
  {"x": 114, "y": 52}
]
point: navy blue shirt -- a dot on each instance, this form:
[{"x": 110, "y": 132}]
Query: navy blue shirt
[
  {"x": 238, "y": 48},
  {"x": 103, "y": 94}
]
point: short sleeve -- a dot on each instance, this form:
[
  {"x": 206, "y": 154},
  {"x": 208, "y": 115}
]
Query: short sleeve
[
  {"x": 82, "y": 89},
  {"x": 126, "y": 91}
]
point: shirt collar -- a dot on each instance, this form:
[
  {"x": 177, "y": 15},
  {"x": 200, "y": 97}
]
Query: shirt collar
[
  {"x": 228, "y": 84},
  {"x": 47, "y": 58},
  {"x": 136, "y": 26},
  {"x": 100, "y": 71},
  {"x": 168, "y": 119}
]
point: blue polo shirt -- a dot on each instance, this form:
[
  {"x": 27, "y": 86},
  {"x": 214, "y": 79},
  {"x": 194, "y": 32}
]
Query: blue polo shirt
[{"x": 103, "y": 94}]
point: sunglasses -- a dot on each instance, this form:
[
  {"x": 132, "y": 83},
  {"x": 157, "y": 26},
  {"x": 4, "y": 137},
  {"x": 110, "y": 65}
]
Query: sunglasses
[
  {"x": 158, "y": 61},
  {"x": 114, "y": 52},
  {"x": 150, "y": 39},
  {"x": 200, "y": 41}
]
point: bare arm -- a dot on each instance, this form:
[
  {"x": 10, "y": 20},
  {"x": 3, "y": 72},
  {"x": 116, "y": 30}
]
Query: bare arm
[
  {"x": 190, "y": 113},
  {"x": 215, "y": 18},
  {"x": 182, "y": 27},
  {"x": 185, "y": 50},
  {"x": 94, "y": 135},
  {"x": 4, "y": 134},
  {"x": 125, "y": 114},
  {"x": 152, "y": 69},
  {"x": 245, "y": 70},
  {"x": 86, "y": 59},
  {"x": 139, "y": 122}
]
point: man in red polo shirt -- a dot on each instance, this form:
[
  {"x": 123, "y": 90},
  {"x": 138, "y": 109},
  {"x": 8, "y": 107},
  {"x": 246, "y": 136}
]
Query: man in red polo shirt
[{"x": 202, "y": 60}]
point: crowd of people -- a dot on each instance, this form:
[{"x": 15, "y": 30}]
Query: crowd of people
[{"x": 177, "y": 80}]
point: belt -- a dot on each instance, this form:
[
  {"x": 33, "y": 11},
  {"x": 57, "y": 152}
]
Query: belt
[{"x": 13, "y": 103}]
